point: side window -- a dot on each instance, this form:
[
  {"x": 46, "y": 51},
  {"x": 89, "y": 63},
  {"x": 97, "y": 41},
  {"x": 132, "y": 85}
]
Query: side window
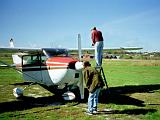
[
  {"x": 43, "y": 59},
  {"x": 31, "y": 60}
]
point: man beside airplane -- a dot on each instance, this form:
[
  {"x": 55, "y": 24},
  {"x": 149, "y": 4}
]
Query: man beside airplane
[
  {"x": 94, "y": 83},
  {"x": 97, "y": 42}
]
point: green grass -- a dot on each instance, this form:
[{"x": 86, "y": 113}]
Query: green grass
[
  {"x": 134, "y": 94},
  {"x": 131, "y": 72}
]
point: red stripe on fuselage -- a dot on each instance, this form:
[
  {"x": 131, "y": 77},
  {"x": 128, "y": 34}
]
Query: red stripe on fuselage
[
  {"x": 52, "y": 63},
  {"x": 60, "y": 61}
]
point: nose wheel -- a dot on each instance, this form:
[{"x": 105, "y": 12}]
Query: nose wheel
[{"x": 18, "y": 92}]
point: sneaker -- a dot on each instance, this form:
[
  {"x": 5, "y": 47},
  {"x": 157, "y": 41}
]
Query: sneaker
[
  {"x": 95, "y": 112},
  {"x": 89, "y": 113}
]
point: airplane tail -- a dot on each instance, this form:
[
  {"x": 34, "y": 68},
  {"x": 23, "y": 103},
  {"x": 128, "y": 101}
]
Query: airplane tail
[{"x": 16, "y": 58}]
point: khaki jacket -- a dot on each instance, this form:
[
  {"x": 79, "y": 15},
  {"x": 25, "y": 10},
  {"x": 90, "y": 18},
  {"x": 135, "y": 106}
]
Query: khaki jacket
[{"x": 93, "y": 79}]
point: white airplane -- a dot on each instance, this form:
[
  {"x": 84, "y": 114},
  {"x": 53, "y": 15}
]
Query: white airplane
[{"x": 51, "y": 68}]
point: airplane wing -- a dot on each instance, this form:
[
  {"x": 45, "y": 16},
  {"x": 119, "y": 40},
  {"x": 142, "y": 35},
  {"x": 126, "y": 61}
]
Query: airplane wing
[
  {"x": 20, "y": 50},
  {"x": 121, "y": 48},
  {"x": 40, "y": 50},
  {"x": 47, "y": 51},
  {"x": 72, "y": 50},
  {"x": 129, "y": 48}
]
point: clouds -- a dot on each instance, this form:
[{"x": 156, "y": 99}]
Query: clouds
[{"x": 140, "y": 30}]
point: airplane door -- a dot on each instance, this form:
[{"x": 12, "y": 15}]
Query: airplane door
[{"x": 31, "y": 67}]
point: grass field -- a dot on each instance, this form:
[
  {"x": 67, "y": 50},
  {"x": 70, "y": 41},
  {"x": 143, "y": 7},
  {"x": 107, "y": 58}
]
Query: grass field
[{"x": 134, "y": 87}]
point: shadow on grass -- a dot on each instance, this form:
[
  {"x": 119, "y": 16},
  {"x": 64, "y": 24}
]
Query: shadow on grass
[
  {"x": 22, "y": 83},
  {"x": 120, "y": 99},
  {"x": 116, "y": 96},
  {"x": 30, "y": 102},
  {"x": 135, "y": 89},
  {"x": 128, "y": 111}
]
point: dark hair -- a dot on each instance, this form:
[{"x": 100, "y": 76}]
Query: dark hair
[
  {"x": 94, "y": 28},
  {"x": 86, "y": 63}
]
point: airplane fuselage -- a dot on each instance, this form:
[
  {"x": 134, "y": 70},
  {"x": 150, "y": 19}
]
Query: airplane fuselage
[{"x": 59, "y": 71}]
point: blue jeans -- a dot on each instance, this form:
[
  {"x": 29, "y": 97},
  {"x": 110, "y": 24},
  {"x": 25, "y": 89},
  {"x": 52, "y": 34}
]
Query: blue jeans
[
  {"x": 93, "y": 101},
  {"x": 99, "y": 52}
]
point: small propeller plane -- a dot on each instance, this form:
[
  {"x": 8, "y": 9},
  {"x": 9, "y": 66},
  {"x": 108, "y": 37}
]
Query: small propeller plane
[{"x": 51, "y": 68}]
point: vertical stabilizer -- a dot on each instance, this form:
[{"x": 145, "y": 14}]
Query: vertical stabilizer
[
  {"x": 16, "y": 59},
  {"x": 11, "y": 43}
]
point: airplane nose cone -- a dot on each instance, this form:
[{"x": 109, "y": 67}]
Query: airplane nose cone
[{"x": 79, "y": 65}]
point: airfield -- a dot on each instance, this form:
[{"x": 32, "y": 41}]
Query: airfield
[{"x": 134, "y": 87}]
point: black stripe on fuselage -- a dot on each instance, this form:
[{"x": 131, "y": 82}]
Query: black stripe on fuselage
[{"x": 43, "y": 68}]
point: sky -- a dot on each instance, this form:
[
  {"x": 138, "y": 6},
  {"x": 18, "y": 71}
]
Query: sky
[{"x": 57, "y": 23}]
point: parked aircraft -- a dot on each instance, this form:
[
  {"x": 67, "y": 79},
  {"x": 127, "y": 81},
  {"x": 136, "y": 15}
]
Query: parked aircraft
[{"x": 51, "y": 68}]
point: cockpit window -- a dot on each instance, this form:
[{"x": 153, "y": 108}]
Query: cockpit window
[{"x": 33, "y": 59}]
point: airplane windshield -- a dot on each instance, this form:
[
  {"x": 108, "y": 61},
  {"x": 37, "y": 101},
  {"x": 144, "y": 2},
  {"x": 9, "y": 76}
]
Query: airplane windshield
[{"x": 55, "y": 52}]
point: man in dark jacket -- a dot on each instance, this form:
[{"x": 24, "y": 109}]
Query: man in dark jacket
[{"x": 94, "y": 83}]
